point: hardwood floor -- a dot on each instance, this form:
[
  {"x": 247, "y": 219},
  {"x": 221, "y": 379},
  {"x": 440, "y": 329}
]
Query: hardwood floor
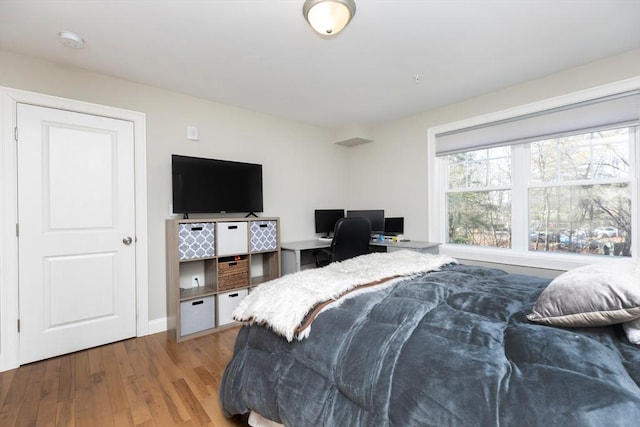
[{"x": 148, "y": 381}]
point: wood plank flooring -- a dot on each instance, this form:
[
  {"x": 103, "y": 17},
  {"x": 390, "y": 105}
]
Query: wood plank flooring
[{"x": 147, "y": 381}]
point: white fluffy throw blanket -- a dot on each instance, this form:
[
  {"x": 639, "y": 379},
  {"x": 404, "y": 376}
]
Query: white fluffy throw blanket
[{"x": 282, "y": 304}]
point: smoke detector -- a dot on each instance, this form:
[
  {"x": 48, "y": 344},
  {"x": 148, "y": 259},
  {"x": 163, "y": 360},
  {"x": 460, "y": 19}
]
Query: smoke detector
[{"x": 71, "y": 39}]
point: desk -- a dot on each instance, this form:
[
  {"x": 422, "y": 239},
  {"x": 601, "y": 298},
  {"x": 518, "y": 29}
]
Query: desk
[{"x": 298, "y": 256}]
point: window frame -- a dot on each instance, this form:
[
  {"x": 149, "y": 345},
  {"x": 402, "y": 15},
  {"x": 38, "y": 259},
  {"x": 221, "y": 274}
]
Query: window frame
[{"x": 519, "y": 254}]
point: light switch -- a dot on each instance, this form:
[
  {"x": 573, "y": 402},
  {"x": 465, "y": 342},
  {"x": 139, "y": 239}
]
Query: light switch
[{"x": 192, "y": 133}]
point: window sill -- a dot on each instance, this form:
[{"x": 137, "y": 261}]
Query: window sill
[{"x": 549, "y": 261}]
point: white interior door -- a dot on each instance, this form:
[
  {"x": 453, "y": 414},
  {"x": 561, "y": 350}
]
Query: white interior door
[{"x": 76, "y": 216}]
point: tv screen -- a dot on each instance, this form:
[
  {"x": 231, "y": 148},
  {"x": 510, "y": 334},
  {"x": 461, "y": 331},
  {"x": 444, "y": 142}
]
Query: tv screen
[
  {"x": 215, "y": 186},
  {"x": 326, "y": 220},
  {"x": 375, "y": 217}
]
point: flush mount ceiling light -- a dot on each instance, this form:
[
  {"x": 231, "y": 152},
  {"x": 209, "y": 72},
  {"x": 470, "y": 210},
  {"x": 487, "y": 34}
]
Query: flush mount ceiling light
[
  {"x": 71, "y": 39},
  {"x": 328, "y": 17}
]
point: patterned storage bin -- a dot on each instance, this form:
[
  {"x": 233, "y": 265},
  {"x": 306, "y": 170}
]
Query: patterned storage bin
[
  {"x": 196, "y": 240},
  {"x": 264, "y": 236}
]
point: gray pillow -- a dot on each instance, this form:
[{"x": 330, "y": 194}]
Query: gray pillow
[{"x": 593, "y": 295}]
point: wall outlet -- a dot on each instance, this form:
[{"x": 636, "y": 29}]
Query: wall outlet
[{"x": 197, "y": 281}]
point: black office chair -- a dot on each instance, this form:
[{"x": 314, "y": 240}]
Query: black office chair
[{"x": 351, "y": 237}]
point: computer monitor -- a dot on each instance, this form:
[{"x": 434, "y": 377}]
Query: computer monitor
[
  {"x": 375, "y": 217},
  {"x": 394, "y": 226},
  {"x": 326, "y": 220}
]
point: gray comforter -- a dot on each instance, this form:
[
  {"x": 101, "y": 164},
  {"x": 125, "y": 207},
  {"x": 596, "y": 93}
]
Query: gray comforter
[{"x": 448, "y": 348}]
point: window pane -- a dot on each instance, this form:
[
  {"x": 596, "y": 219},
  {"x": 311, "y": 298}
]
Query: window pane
[
  {"x": 589, "y": 156},
  {"x": 588, "y": 219},
  {"x": 480, "y": 168},
  {"x": 499, "y": 171},
  {"x": 481, "y": 218}
]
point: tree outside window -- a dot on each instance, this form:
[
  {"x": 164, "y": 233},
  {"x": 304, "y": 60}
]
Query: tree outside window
[
  {"x": 578, "y": 194},
  {"x": 479, "y": 197}
]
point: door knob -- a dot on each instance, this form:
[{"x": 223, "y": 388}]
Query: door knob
[{"x": 127, "y": 240}]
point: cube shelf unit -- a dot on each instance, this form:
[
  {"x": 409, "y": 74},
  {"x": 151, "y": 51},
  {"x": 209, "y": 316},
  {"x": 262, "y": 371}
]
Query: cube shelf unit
[{"x": 213, "y": 263}]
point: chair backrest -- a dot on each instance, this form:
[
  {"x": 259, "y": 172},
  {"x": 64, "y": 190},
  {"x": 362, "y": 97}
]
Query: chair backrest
[{"x": 351, "y": 237}]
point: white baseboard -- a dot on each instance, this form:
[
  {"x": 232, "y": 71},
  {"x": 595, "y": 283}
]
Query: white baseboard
[{"x": 157, "y": 325}]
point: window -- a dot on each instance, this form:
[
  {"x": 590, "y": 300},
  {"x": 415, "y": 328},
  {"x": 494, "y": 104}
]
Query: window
[
  {"x": 479, "y": 197},
  {"x": 550, "y": 184},
  {"x": 578, "y": 191},
  {"x": 579, "y": 196}
]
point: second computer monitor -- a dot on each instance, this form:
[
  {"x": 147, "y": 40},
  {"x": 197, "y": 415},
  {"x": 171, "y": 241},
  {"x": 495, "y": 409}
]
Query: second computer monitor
[{"x": 375, "y": 217}]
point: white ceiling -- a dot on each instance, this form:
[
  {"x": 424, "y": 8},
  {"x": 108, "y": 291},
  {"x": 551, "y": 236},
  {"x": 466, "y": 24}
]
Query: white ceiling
[{"x": 263, "y": 56}]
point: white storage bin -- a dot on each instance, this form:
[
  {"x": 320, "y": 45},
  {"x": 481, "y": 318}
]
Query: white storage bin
[
  {"x": 227, "y": 302},
  {"x": 197, "y": 315},
  {"x": 196, "y": 240},
  {"x": 232, "y": 238},
  {"x": 264, "y": 236}
]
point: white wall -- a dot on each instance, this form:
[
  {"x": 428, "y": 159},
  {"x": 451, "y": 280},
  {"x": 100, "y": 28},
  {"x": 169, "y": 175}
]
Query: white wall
[
  {"x": 302, "y": 169},
  {"x": 394, "y": 165}
]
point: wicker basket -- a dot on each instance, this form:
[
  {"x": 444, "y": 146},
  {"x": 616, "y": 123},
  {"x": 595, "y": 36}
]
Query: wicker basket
[{"x": 233, "y": 274}]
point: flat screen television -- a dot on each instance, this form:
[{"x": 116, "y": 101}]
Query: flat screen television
[
  {"x": 326, "y": 219},
  {"x": 375, "y": 217},
  {"x": 215, "y": 186}
]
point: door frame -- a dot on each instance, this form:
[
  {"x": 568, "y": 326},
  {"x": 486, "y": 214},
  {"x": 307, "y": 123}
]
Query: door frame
[{"x": 9, "y": 280}]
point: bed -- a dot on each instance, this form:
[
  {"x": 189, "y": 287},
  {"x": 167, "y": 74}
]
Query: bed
[{"x": 450, "y": 345}]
